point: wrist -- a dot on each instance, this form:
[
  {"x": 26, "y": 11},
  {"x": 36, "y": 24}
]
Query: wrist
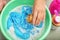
[{"x": 40, "y": 1}]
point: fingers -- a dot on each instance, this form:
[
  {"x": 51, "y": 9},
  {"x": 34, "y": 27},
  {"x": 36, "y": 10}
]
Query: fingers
[
  {"x": 34, "y": 16},
  {"x": 4, "y": 2},
  {"x": 1, "y": 5},
  {"x": 39, "y": 17}
]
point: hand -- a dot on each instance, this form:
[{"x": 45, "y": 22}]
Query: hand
[
  {"x": 2, "y": 3},
  {"x": 38, "y": 11}
]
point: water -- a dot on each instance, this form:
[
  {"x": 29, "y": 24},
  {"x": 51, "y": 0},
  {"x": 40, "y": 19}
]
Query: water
[{"x": 19, "y": 28}]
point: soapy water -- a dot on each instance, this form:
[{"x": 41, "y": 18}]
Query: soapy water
[{"x": 21, "y": 27}]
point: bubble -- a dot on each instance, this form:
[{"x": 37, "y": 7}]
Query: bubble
[{"x": 18, "y": 20}]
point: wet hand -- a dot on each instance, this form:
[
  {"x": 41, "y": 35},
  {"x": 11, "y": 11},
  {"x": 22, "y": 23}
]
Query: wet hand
[{"x": 38, "y": 11}]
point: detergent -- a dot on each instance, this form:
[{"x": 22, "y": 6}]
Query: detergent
[
  {"x": 55, "y": 12},
  {"x": 19, "y": 24},
  {"x": 56, "y": 19}
]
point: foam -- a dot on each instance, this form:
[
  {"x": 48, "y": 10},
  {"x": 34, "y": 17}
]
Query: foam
[{"x": 19, "y": 28}]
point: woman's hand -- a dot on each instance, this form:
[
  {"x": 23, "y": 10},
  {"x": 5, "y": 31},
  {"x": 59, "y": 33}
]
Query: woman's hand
[
  {"x": 2, "y": 3},
  {"x": 38, "y": 11}
]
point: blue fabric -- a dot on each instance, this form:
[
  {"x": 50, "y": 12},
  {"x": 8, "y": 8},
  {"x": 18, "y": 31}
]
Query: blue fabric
[{"x": 18, "y": 20}]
